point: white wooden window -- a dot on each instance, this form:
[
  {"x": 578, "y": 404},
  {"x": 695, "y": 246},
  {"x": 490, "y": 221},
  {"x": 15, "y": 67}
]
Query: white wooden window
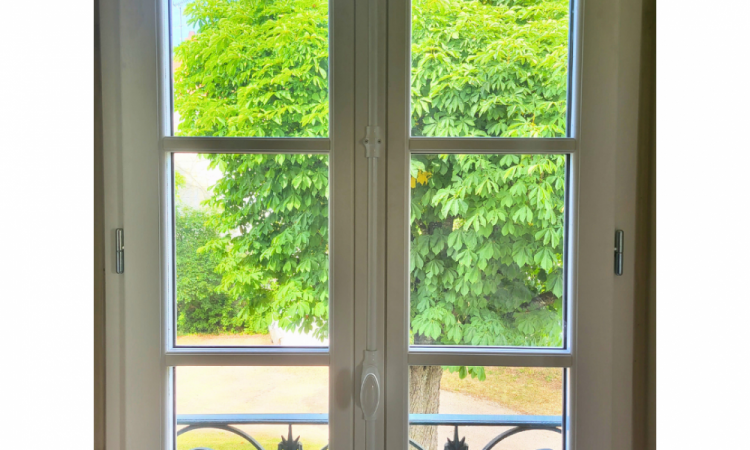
[{"x": 369, "y": 233}]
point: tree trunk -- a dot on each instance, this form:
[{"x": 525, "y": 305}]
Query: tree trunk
[{"x": 424, "y": 398}]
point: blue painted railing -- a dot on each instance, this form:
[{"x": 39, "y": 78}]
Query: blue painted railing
[{"x": 227, "y": 422}]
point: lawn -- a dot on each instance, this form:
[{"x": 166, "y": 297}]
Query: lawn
[
  {"x": 224, "y": 440},
  {"x": 528, "y": 390}
]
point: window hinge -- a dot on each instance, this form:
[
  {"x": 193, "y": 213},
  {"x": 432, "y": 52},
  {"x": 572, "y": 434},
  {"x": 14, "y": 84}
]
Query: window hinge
[
  {"x": 119, "y": 250},
  {"x": 619, "y": 244}
]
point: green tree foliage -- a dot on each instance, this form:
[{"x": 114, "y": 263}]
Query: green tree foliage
[
  {"x": 274, "y": 244},
  {"x": 489, "y": 67},
  {"x": 486, "y": 230},
  {"x": 255, "y": 68},
  {"x": 480, "y": 68},
  {"x": 486, "y": 250},
  {"x": 200, "y": 308}
]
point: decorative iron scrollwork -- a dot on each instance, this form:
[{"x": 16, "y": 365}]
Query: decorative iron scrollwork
[
  {"x": 221, "y": 426},
  {"x": 518, "y": 424},
  {"x": 289, "y": 443},
  {"x": 455, "y": 444}
]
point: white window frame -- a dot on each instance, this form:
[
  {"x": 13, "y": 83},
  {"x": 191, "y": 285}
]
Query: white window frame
[
  {"x": 593, "y": 125},
  {"x": 138, "y": 158},
  {"x": 136, "y": 112}
]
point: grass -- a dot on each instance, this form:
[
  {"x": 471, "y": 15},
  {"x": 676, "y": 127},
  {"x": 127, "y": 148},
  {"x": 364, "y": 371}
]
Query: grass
[
  {"x": 528, "y": 390},
  {"x": 224, "y": 440}
]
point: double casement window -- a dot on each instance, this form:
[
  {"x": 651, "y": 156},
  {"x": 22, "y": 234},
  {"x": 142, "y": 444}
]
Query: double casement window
[{"x": 362, "y": 224}]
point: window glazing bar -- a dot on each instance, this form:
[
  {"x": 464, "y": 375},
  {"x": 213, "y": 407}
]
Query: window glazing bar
[
  {"x": 231, "y": 357},
  {"x": 245, "y": 145},
  {"x": 492, "y": 145},
  {"x": 463, "y": 357}
]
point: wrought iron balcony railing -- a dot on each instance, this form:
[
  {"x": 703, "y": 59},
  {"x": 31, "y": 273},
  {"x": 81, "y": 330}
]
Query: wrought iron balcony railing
[{"x": 228, "y": 422}]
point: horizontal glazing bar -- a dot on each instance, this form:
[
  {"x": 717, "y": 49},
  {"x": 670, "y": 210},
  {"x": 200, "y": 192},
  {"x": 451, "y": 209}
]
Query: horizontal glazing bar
[
  {"x": 246, "y": 145},
  {"x": 492, "y": 145},
  {"x": 251, "y": 357},
  {"x": 484, "y": 357}
]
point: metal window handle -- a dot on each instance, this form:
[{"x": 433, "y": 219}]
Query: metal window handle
[{"x": 369, "y": 393}]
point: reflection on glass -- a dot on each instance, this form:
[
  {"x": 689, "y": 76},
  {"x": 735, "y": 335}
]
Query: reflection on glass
[
  {"x": 250, "y": 68},
  {"x": 251, "y": 247},
  {"x": 487, "y": 250},
  {"x": 489, "y": 68},
  {"x": 254, "y": 393},
  {"x": 530, "y": 394}
]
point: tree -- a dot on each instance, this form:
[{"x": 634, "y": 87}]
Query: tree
[
  {"x": 255, "y": 68},
  {"x": 273, "y": 243},
  {"x": 486, "y": 248},
  {"x": 486, "y": 258},
  {"x": 200, "y": 308},
  {"x": 489, "y": 67}
]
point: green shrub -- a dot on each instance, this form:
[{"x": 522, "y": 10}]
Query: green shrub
[{"x": 200, "y": 308}]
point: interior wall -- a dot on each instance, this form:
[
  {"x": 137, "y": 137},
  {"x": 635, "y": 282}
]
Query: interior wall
[
  {"x": 629, "y": 74},
  {"x": 99, "y": 366},
  {"x": 651, "y": 310},
  {"x": 644, "y": 363}
]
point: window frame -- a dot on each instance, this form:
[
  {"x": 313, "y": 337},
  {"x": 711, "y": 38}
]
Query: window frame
[
  {"x": 137, "y": 136},
  {"x": 338, "y": 145},
  {"x": 592, "y": 124},
  {"x": 141, "y": 351}
]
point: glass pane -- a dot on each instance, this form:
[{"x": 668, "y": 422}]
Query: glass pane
[
  {"x": 489, "y": 68},
  {"x": 250, "y": 68},
  {"x": 260, "y": 402},
  {"x": 489, "y": 399},
  {"x": 487, "y": 250},
  {"x": 251, "y": 247}
]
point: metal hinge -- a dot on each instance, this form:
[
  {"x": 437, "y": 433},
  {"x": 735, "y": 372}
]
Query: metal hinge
[
  {"x": 619, "y": 245},
  {"x": 119, "y": 250}
]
